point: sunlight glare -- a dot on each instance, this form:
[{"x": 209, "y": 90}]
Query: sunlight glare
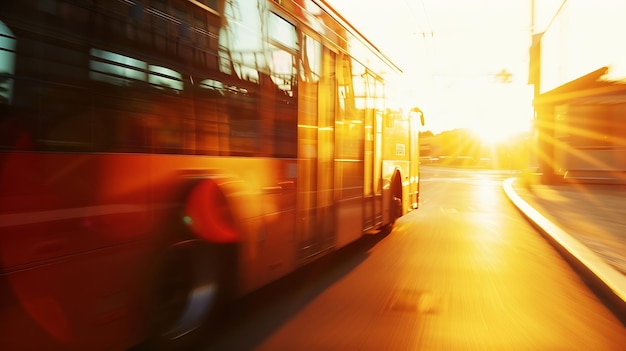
[{"x": 490, "y": 133}]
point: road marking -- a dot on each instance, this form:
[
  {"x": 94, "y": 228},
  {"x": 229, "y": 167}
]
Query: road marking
[{"x": 448, "y": 210}]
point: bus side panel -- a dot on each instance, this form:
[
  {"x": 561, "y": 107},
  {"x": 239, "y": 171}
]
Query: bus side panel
[
  {"x": 54, "y": 205},
  {"x": 67, "y": 304},
  {"x": 72, "y": 254},
  {"x": 268, "y": 247},
  {"x": 76, "y": 268},
  {"x": 261, "y": 196},
  {"x": 349, "y": 201},
  {"x": 350, "y": 212}
]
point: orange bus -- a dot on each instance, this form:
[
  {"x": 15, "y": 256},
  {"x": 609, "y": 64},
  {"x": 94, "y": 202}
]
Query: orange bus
[{"x": 157, "y": 156}]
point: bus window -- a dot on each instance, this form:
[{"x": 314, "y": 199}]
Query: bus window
[
  {"x": 162, "y": 77},
  {"x": 311, "y": 59},
  {"x": 13, "y": 134},
  {"x": 112, "y": 68},
  {"x": 7, "y": 64},
  {"x": 241, "y": 48}
]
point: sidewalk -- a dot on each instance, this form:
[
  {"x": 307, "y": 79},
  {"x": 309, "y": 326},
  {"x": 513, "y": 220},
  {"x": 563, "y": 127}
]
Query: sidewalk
[{"x": 587, "y": 224}]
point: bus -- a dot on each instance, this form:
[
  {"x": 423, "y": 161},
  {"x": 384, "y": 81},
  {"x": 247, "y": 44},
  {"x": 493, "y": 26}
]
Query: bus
[{"x": 158, "y": 156}]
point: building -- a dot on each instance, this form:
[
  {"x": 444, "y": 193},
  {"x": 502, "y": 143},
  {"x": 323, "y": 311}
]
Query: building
[{"x": 578, "y": 67}]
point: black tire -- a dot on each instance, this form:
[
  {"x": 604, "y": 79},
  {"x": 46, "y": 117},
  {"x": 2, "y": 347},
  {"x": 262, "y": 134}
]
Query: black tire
[
  {"x": 395, "y": 205},
  {"x": 395, "y": 209},
  {"x": 186, "y": 296}
]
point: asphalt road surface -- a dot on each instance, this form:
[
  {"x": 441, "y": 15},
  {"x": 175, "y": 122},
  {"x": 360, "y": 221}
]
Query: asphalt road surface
[{"x": 464, "y": 272}]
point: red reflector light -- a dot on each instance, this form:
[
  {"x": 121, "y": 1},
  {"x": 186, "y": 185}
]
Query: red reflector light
[{"x": 208, "y": 215}]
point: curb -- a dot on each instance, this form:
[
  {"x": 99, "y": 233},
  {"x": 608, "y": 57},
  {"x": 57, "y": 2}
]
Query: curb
[{"x": 605, "y": 280}]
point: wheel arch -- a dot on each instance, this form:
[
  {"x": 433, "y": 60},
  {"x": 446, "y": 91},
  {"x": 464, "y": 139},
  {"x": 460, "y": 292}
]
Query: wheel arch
[{"x": 198, "y": 260}]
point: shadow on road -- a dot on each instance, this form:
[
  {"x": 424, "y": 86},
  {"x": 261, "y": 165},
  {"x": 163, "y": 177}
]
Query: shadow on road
[{"x": 248, "y": 321}]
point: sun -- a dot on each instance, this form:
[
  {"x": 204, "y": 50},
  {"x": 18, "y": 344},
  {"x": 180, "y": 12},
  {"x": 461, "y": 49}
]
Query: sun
[
  {"x": 491, "y": 134},
  {"x": 496, "y": 130},
  {"x": 500, "y": 120}
]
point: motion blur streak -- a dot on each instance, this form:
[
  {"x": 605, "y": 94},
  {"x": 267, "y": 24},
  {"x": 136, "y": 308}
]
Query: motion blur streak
[{"x": 465, "y": 272}]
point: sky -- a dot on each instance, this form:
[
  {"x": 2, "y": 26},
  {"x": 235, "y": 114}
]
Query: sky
[{"x": 451, "y": 52}]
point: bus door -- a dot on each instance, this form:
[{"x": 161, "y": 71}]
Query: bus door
[
  {"x": 372, "y": 165},
  {"x": 315, "y": 206}
]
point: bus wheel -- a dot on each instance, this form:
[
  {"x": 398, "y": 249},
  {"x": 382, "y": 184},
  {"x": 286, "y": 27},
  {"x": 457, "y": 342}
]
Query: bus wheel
[
  {"x": 396, "y": 206},
  {"x": 185, "y": 296},
  {"x": 395, "y": 209}
]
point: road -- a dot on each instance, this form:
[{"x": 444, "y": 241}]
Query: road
[{"x": 465, "y": 271}]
